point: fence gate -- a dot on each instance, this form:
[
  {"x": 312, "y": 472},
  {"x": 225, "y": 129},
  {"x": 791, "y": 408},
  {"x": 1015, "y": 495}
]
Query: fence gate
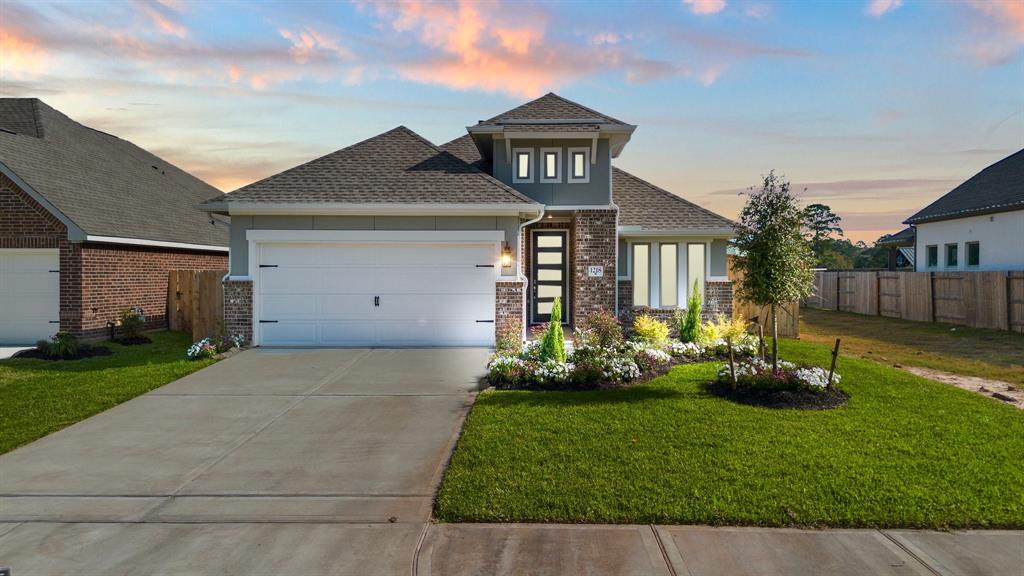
[{"x": 195, "y": 301}]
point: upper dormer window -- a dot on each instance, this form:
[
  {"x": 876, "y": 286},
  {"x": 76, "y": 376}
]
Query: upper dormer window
[
  {"x": 579, "y": 165},
  {"x": 551, "y": 165},
  {"x": 522, "y": 167}
]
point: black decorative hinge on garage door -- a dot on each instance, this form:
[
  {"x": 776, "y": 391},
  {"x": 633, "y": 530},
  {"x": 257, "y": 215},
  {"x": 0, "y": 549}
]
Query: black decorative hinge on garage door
[
  {"x": 268, "y": 265},
  {"x": 485, "y": 321},
  {"x": 268, "y": 321}
]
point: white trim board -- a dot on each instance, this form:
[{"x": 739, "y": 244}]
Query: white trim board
[
  {"x": 445, "y": 236},
  {"x": 154, "y": 243},
  {"x": 371, "y": 209}
]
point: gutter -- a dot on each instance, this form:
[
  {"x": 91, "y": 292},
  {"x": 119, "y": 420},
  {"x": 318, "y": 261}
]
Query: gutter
[
  {"x": 370, "y": 209},
  {"x": 519, "y": 268}
]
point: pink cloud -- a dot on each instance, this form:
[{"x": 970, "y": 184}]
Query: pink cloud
[
  {"x": 308, "y": 42},
  {"x": 877, "y": 8},
  {"x": 998, "y": 37},
  {"x": 163, "y": 22},
  {"x": 20, "y": 55},
  {"x": 705, "y": 6}
]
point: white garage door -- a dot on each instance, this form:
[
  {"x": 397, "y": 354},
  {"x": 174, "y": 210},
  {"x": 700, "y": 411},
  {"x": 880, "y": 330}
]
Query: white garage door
[
  {"x": 29, "y": 295},
  {"x": 376, "y": 294}
]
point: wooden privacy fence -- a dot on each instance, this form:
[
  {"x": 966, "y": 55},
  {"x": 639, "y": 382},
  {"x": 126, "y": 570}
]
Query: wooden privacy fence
[
  {"x": 195, "y": 301},
  {"x": 978, "y": 299},
  {"x": 788, "y": 314}
]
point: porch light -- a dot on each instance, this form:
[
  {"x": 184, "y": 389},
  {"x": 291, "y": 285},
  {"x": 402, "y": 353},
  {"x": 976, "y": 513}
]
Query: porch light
[{"x": 506, "y": 256}]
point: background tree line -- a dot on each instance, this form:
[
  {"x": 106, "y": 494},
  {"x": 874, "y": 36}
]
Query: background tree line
[{"x": 831, "y": 250}]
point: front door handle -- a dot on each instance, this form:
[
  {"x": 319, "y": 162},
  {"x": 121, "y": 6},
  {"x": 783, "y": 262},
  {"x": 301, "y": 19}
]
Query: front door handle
[{"x": 376, "y": 300}]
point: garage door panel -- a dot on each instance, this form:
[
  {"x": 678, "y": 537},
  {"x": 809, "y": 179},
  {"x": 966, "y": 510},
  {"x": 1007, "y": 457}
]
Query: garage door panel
[
  {"x": 291, "y": 333},
  {"x": 277, "y": 306},
  {"x": 290, "y": 280},
  {"x": 447, "y": 279},
  {"x": 434, "y": 255},
  {"x": 436, "y": 307},
  {"x": 346, "y": 306},
  {"x": 29, "y": 295},
  {"x": 354, "y": 333}
]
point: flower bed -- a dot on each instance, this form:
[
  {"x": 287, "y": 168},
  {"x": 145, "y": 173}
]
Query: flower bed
[
  {"x": 791, "y": 386},
  {"x": 211, "y": 347}
]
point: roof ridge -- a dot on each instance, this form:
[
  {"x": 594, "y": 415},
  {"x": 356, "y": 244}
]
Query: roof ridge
[
  {"x": 674, "y": 197},
  {"x": 587, "y": 108}
]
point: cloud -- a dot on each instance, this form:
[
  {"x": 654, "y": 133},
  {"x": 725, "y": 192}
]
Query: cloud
[
  {"x": 602, "y": 38},
  {"x": 877, "y": 8},
  {"x": 20, "y": 56},
  {"x": 307, "y": 43},
  {"x": 757, "y": 10},
  {"x": 997, "y": 38},
  {"x": 160, "y": 15},
  {"x": 705, "y": 6}
]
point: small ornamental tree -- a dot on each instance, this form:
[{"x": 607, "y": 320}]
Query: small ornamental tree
[
  {"x": 552, "y": 346},
  {"x": 775, "y": 258},
  {"x": 689, "y": 328}
]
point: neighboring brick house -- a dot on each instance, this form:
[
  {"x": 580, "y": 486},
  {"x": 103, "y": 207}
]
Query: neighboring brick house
[
  {"x": 89, "y": 226},
  {"x": 397, "y": 242}
]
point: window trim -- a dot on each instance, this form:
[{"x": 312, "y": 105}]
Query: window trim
[
  {"x": 927, "y": 256},
  {"x": 967, "y": 254},
  {"x": 632, "y": 271},
  {"x": 531, "y": 165},
  {"x": 543, "y": 166},
  {"x": 570, "y": 178},
  {"x": 956, "y": 254}
]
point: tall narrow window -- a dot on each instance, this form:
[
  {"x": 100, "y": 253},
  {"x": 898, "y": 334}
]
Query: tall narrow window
[
  {"x": 951, "y": 255},
  {"x": 695, "y": 267},
  {"x": 522, "y": 165},
  {"x": 641, "y": 275},
  {"x": 669, "y": 282},
  {"x": 579, "y": 165},
  {"x": 933, "y": 256},
  {"x": 973, "y": 253},
  {"x": 550, "y": 165}
]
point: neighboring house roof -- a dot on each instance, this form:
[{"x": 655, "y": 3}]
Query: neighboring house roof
[
  {"x": 103, "y": 185},
  {"x": 646, "y": 207},
  {"x": 550, "y": 107},
  {"x": 904, "y": 237},
  {"x": 998, "y": 188},
  {"x": 396, "y": 167},
  {"x": 642, "y": 205}
]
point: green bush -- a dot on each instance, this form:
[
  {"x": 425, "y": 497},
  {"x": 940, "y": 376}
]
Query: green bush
[
  {"x": 131, "y": 324},
  {"x": 690, "y": 329},
  {"x": 63, "y": 345},
  {"x": 552, "y": 346},
  {"x": 650, "y": 330},
  {"x": 604, "y": 328}
]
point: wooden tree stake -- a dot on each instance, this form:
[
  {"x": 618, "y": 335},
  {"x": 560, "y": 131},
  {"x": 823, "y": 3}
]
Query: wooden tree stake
[
  {"x": 832, "y": 368},
  {"x": 732, "y": 363},
  {"x": 760, "y": 339}
]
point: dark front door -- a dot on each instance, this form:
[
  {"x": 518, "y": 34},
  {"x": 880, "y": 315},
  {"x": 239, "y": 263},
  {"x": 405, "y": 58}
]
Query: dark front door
[{"x": 549, "y": 276}]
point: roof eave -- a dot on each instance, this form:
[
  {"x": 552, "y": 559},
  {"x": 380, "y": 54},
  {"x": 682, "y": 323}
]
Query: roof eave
[
  {"x": 640, "y": 231},
  {"x": 373, "y": 209},
  {"x": 915, "y": 219}
]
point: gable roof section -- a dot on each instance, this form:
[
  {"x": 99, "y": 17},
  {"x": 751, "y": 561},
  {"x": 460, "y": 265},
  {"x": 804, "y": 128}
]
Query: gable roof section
[
  {"x": 998, "y": 188},
  {"x": 904, "y": 237},
  {"x": 551, "y": 107},
  {"x": 647, "y": 208},
  {"x": 102, "y": 184},
  {"x": 396, "y": 167},
  {"x": 464, "y": 149}
]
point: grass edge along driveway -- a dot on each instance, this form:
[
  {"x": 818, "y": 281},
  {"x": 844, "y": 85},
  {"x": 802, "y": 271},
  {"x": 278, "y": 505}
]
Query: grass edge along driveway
[
  {"x": 904, "y": 452},
  {"x": 39, "y": 397}
]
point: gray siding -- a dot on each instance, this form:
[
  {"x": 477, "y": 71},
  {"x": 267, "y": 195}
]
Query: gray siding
[
  {"x": 240, "y": 224},
  {"x": 595, "y": 193}
]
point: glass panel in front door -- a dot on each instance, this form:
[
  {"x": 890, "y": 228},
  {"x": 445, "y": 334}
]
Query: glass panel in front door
[{"x": 549, "y": 275}]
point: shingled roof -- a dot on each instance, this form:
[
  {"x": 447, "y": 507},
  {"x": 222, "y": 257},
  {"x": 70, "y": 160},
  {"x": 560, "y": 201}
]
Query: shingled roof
[
  {"x": 642, "y": 205},
  {"x": 396, "y": 167},
  {"x": 998, "y": 188},
  {"x": 549, "y": 107},
  {"x": 103, "y": 185}
]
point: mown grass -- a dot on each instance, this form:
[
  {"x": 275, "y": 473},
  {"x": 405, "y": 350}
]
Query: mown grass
[
  {"x": 995, "y": 354},
  {"x": 38, "y": 397},
  {"x": 903, "y": 452}
]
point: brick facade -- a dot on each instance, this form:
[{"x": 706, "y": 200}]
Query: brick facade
[
  {"x": 594, "y": 243},
  {"x": 97, "y": 281},
  {"x": 717, "y": 300},
  {"x": 509, "y": 305},
  {"x": 238, "y": 308}
]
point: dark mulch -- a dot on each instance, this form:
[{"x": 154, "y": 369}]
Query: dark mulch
[
  {"x": 84, "y": 351},
  {"x": 133, "y": 341},
  {"x": 802, "y": 400},
  {"x": 590, "y": 385}
]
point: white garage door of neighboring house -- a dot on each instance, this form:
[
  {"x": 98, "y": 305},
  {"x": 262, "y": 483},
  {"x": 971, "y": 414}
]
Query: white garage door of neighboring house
[
  {"x": 375, "y": 294},
  {"x": 29, "y": 295}
]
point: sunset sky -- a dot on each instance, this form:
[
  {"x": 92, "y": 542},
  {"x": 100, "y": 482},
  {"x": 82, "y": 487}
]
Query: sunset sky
[{"x": 876, "y": 107}]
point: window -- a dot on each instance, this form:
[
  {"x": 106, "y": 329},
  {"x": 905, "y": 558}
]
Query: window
[
  {"x": 551, "y": 165},
  {"x": 669, "y": 281},
  {"x": 641, "y": 274},
  {"x": 973, "y": 253},
  {"x": 933, "y": 256},
  {"x": 951, "y": 255},
  {"x": 522, "y": 165},
  {"x": 695, "y": 267},
  {"x": 579, "y": 166}
]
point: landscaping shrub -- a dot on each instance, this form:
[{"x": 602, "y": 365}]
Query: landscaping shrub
[
  {"x": 210, "y": 347},
  {"x": 604, "y": 328},
  {"x": 131, "y": 324},
  {"x": 690, "y": 328},
  {"x": 510, "y": 339},
  {"x": 650, "y": 330},
  {"x": 63, "y": 345},
  {"x": 724, "y": 328},
  {"x": 552, "y": 346},
  {"x": 756, "y": 373}
]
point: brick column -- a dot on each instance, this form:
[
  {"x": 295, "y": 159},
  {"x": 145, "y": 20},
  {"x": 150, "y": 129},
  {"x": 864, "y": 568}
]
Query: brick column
[
  {"x": 238, "y": 308},
  {"x": 594, "y": 244},
  {"x": 509, "y": 305}
]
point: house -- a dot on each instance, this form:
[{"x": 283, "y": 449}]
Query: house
[
  {"x": 979, "y": 225},
  {"x": 397, "y": 241},
  {"x": 899, "y": 249},
  {"x": 89, "y": 226}
]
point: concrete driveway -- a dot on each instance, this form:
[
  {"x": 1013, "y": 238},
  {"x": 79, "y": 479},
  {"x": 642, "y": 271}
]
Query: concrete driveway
[{"x": 273, "y": 461}]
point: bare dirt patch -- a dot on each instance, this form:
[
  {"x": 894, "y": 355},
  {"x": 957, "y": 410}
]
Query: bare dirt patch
[{"x": 1004, "y": 391}]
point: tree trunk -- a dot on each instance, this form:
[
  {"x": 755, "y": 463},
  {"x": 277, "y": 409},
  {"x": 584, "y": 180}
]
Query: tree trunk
[{"x": 775, "y": 341}]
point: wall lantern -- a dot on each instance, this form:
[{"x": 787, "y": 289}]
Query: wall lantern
[{"x": 506, "y": 255}]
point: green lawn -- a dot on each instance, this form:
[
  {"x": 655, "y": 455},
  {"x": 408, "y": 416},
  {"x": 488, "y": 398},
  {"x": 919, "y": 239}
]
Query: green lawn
[
  {"x": 38, "y": 397},
  {"x": 997, "y": 354},
  {"x": 904, "y": 452}
]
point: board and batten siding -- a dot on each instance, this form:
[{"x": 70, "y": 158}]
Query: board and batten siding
[
  {"x": 596, "y": 192},
  {"x": 1000, "y": 238},
  {"x": 241, "y": 224}
]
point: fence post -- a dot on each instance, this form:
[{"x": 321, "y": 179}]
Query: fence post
[{"x": 931, "y": 296}]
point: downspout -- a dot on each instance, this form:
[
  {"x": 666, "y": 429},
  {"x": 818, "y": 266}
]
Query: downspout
[
  {"x": 519, "y": 264},
  {"x": 611, "y": 202}
]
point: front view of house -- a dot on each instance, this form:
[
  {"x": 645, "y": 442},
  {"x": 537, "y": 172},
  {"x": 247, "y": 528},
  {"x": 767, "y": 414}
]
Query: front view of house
[{"x": 397, "y": 242}]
